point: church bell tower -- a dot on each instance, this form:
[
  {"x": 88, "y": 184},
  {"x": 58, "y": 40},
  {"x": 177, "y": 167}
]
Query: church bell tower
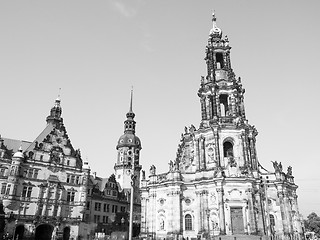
[
  {"x": 222, "y": 109},
  {"x": 127, "y": 168}
]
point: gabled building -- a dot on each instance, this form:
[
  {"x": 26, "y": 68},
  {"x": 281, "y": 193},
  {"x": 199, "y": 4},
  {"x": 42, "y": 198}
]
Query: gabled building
[
  {"x": 44, "y": 183},
  {"x": 216, "y": 187}
]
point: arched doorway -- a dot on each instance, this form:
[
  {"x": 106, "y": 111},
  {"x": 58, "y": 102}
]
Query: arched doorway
[
  {"x": 43, "y": 232},
  {"x": 19, "y": 232},
  {"x": 66, "y": 233}
]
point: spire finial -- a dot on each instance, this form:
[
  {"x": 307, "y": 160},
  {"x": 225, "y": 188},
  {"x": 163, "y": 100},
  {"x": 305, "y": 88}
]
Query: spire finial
[
  {"x": 215, "y": 31},
  {"x": 59, "y": 94},
  {"x": 130, "y": 110}
]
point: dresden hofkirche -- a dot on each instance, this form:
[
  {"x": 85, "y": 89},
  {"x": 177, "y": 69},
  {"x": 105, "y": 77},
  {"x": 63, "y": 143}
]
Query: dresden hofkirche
[{"x": 216, "y": 187}]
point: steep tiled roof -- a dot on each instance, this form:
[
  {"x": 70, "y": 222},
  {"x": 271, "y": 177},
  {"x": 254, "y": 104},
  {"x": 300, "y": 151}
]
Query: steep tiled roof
[
  {"x": 14, "y": 144},
  {"x": 40, "y": 138}
]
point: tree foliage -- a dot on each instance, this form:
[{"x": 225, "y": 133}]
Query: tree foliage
[{"x": 312, "y": 224}]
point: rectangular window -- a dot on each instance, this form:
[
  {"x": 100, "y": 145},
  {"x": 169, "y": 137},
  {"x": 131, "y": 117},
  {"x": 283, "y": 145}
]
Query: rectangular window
[
  {"x": 29, "y": 192},
  {"x": 77, "y": 179},
  {"x": 3, "y": 188},
  {"x": 26, "y": 192},
  {"x": 72, "y": 179},
  {"x": 108, "y": 207},
  {"x": 116, "y": 209},
  {"x": 88, "y": 205},
  {"x": 105, "y": 207},
  {"x": 112, "y": 209},
  {"x": 68, "y": 178},
  {"x": 35, "y": 173},
  {"x": 105, "y": 219},
  {"x": 123, "y": 209},
  {"x": 98, "y": 219},
  {"x": 8, "y": 189},
  {"x": 25, "y": 172},
  {"x": 14, "y": 193},
  {"x": 114, "y": 193},
  {"x": 30, "y": 173},
  {"x": 97, "y": 206},
  {"x": 95, "y": 218},
  {"x": 70, "y": 196},
  {"x": 2, "y": 171}
]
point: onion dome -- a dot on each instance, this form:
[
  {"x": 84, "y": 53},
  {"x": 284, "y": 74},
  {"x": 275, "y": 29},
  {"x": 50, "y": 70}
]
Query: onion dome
[
  {"x": 129, "y": 139},
  {"x": 215, "y": 32},
  {"x": 19, "y": 153}
]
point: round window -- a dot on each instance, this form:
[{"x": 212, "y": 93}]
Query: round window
[
  {"x": 130, "y": 140},
  {"x": 188, "y": 201}
]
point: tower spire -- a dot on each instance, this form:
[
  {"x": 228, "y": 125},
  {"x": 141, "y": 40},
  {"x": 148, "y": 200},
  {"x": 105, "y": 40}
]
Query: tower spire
[
  {"x": 130, "y": 110},
  {"x": 130, "y": 114},
  {"x": 215, "y": 32}
]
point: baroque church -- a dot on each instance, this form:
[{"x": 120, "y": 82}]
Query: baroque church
[{"x": 216, "y": 187}]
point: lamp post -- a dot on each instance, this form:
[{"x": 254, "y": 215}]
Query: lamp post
[{"x": 133, "y": 176}]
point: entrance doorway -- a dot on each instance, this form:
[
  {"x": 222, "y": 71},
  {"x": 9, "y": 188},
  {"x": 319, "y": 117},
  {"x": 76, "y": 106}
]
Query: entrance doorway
[
  {"x": 237, "y": 220},
  {"x": 66, "y": 233},
  {"x": 43, "y": 232},
  {"x": 19, "y": 232}
]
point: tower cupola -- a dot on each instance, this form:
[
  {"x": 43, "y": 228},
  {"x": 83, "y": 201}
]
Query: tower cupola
[{"x": 55, "y": 112}]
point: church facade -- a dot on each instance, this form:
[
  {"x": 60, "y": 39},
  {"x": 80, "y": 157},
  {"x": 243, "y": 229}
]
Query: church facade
[{"x": 216, "y": 186}]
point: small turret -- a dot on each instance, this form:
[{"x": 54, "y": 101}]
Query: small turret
[{"x": 55, "y": 113}]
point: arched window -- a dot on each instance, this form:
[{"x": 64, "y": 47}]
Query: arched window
[
  {"x": 227, "y": 149},
  {"x": 219, "y": 59},
  {"x": 188, "y": 222},
  {"x": 223, "y": 98}
]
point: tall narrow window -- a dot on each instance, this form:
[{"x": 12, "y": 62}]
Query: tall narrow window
[
  {"x": 223, "y": 105},
  {"x": 70, "y": 196},
  {"x": 227, "y": 149},
  {"x": 188, "y": 222},
  {"x": 8, "y": 189},
  {"x": 3, "y": 188},
  {"x": 219, "y": 60}
]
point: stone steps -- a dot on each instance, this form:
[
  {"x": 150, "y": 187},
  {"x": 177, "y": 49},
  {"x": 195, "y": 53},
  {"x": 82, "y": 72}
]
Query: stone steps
[{"x": 240, "y": 237}]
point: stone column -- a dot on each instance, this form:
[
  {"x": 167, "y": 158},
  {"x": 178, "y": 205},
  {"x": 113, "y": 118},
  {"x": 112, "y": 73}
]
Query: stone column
[
  {"x": 214, "y": 105},
  {"x": 251, "y": 213},
  {"x": 152, "y": 215},
  {"x": 203, "y": 108},
  {"x": 176, "y": 210},
  {"x": 202, "y": 153},
  {"x": 209, "y": 99},
  {"x": 199, "y": 211},
  {"x": 260, "y": 214},
  {"x": 207, "y": 103},
  {"x": 222, "y": 223},
  {"x": 244, "y": 150},
  {"x": 45, "y": 198},
  {"x": 217, "y": 151},
  {"x": 197, "y": 154}
]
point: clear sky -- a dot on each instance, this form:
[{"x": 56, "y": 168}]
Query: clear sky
[{"x": 96, "y": 50}]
